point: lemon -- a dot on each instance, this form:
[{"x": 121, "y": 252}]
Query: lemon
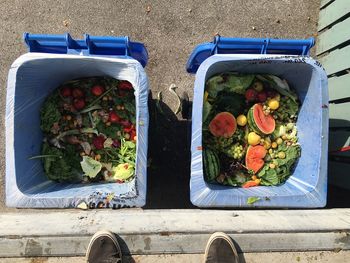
[
  {"x": 241, "y": 120},
  {"x": 253, "y": 138},
  {"x": 273, "y": 104},
  {"x": 274, "y": 145}
]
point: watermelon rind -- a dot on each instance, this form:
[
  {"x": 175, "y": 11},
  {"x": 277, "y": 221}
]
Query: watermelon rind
[
  {"x": 254, "y": 125},
  {"x": 211, "y": 164}
]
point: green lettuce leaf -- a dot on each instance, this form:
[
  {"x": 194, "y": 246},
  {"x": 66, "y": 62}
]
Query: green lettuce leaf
[
  {"x": 49, "y": 113},
  {"x": 269, "y": 176},
  {"x": 130, "y": 107},
  {"x": 239, "y": 84},
  {"x": 230, "y": 82},
  {"x": 60, "y": 166},
  {"x": 206, "y": 110},
  {"x": 214, "y": 85},
  {"x": 252, "y": 199},
  {"x": 90, "y": 166},
  {"x": 291, "y": 106},
  {"x": 284, "y": 166},
  {"x": 292, "y": 153},
  {"x": 127, "y": 152}
]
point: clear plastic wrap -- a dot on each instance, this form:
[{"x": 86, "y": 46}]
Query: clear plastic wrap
[
  {"x": 31, "y": 79},
  {"x": 307, "y": 187}
]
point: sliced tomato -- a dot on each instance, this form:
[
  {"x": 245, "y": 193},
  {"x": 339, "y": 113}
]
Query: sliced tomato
[{"x": 250, "y": 184}]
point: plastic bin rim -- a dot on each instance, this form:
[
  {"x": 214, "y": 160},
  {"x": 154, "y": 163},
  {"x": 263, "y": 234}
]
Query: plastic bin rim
[
  {"x": 205, "y": 65},
  {"x": 30, "y": 56}
]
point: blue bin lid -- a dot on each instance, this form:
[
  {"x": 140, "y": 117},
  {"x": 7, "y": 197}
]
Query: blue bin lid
[
  {"x": 90, "y": 45},
  {"x": 226, "y": 45}
]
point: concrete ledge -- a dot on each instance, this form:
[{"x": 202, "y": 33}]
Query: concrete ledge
[
  {"x": 274, "y": 257},
  {"x": 145, "y": 232}
]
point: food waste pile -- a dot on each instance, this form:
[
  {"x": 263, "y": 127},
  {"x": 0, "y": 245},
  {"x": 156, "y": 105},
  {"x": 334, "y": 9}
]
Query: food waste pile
[
  {"x": 89, "y": 131},
  {"x": 249, "y": 130}
]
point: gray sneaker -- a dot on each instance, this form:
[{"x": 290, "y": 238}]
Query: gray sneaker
[
  {"x": 104, "y": 248},
  {"x": 220, "y": 249}
]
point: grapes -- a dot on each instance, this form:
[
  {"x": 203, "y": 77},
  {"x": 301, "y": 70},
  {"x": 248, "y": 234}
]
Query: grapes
[
  {"x": 220, "y": 143},
  {"x": 235, "y": 151}
]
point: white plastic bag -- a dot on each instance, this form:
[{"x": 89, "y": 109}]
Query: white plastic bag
[{"x": 31, "y": 79}]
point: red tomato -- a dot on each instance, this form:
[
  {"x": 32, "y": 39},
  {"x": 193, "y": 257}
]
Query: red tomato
[
  {"x": 262, "y": 96},
  {"x": 250, "y": 94},
  {"x": 125, "y": 85},
  {"x": 79, "y": 104},
  {"x": 113, "y": 117},
  {"x": 77, "y": 93},
  {"x": 66, "y": 92},
  {"x": 98, "y": 142},
  {"x": 97, "y": 90}
]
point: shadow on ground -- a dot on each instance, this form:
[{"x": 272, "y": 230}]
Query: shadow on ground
[{"x": 169, "y": 157}]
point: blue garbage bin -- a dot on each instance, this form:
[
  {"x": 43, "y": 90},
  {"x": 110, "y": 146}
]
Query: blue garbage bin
[
  {"x": 289, "y": 59},
  {"x": 53, "y": 59}
]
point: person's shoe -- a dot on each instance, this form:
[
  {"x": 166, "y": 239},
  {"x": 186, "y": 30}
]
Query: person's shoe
[
  {"x": 220, "y": 249},
  {"x": 104, "y": 248}
]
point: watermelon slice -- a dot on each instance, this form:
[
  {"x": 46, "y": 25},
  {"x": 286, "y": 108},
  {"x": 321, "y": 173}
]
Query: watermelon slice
[
  {"x": 223, "y": 125},
  {"x": 260, "y": 122},
  {"x": 254, "y": 159}
]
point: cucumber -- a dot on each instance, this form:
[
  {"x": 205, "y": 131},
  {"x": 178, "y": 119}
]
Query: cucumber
[{"x": 211, "y": 165}]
